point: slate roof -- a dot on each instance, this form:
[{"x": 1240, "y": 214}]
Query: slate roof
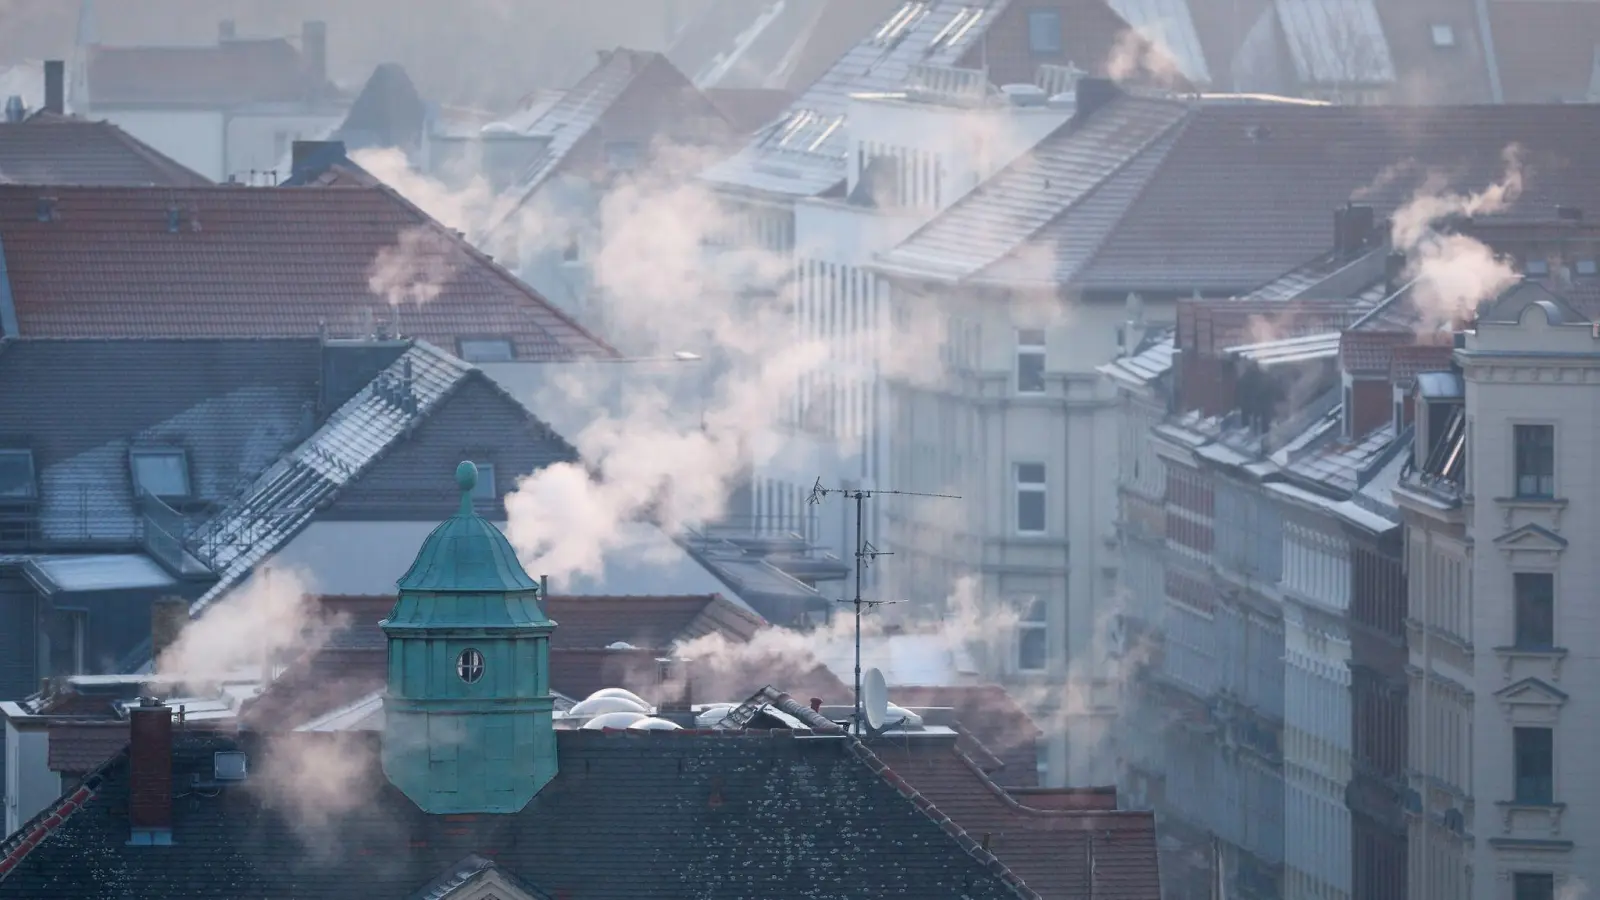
[
  {"x": 387, "y": 113},
  {"x": 84, "y": 747},
  {"x": 735, "y": 814},
  {"x": 233, "y": 406},
  {"x": 286, "y": 496},
  {"x": 51, "y": 149},
  {"x": 1057, "y": 852},
  {"x": 1002, "y": 223},
  {"x": 264, "y": 262},
  {"x": 991, "y": 724},
  {"x": 230, "y": 73},
  {"x": 1247, "y": 192},
  {"x": 1547, "y": 50}
]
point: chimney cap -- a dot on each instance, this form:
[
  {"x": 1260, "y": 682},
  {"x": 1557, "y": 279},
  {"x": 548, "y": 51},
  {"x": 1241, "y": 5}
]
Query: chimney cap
[{"x": 150, "y": 701}]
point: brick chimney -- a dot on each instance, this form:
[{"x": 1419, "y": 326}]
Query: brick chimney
[
  {"x": 1093, "y": 94},
  {"x": 168, "y": 616},
  {"x": 150, "y": 772},
  {"x": 55, "y": 86}
]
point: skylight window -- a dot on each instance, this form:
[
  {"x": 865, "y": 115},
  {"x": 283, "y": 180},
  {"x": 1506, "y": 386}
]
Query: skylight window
[
  {"x": 484, "y": 490},
  {"x": 481, "y": 350},
  {"x": 1444, "y": 36},
  {"x": 16, "y": 475},
  {"x": 1044, "y": 31},
  {"x": 960, "y": 24},
  {"x": 1586, "y": 267},
  {"x": 160, "y": 473},
  {"x": 895, "y": 29}
]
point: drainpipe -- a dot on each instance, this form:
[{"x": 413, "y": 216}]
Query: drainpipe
[{"x": 1491, "y": 61}]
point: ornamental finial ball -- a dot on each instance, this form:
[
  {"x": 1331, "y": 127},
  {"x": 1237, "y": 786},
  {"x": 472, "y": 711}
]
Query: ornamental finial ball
[{"x": 467, "y": 476}]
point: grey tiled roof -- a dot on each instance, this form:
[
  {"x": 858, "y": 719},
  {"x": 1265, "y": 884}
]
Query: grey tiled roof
[
  {"x": 1141, "y": 368},
  {"x": 803, "y": 153},
  {"x": 81, "y": 405},
  {"x": 658, "y": 815},
  {"x": 285, "y": 497},
  {"x": 1001, "y": 221}
]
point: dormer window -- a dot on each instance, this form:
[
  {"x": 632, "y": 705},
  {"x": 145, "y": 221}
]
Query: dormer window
[
  {"x": 17, "y": 476},
  {"x": 1536, "y": 268},
  {"x": 484, "y": 491},
  {"x": 161, "y": 473},
  {"x": 481, "y": 350}
]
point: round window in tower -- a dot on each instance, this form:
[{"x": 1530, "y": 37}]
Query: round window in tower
[{"x": 469, "y": 665}]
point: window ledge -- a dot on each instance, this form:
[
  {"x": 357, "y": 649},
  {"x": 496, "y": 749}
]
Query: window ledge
[{"x": 1510, "y": 655}]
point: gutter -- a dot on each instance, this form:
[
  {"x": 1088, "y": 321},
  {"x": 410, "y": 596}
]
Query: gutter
[{"x": 8, "y": 306}]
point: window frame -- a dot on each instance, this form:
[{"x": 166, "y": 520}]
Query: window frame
[
  {"x": 30, "y": 484},
  {"x": 1520, "y": 624},
  {"x": 1039, "y": 21},
  {"x": 179, "y": 453},
  {"x": 1543, "y": 482},
  {"x": 1040, "y": 488},
  {"x": 464, "y": 345},
  {"x": 1533, "y": 885},
  {"x": 1033, "y": 636},
  {"x": 485, "y": 489},
  {"x": 1028, "y": 348},
  {"x": 1526, "y": 789}
]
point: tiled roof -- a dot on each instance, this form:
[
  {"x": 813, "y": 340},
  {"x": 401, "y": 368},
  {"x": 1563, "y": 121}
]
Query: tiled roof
[
  {"x": 48, "y": 149},
  {"x": 1338, "y": 465},
  {"x": 1143, "y": 367},
  {"x": 285, "y": 497},
  {"x": 262, "y": 262},
  {"x": 233, "y": 406},
  {"x": 1546, "y": 50},
  {"x": 230, "y": 73},
  {"x": 1247, "y": 192},
  {"x": 1426, "y": 71},
  {"x": 1004, "y": 216},
  {"x": 990, "y": 722},
  {"x": 803, "y": 154},
  {"x": 739, "y": 814},
  {"x": 84, "y": 747},
  {"x": 1057, "y": 853},
  {"x": 1169, "y": 24},
  {"x": 1406, "y": 362}
]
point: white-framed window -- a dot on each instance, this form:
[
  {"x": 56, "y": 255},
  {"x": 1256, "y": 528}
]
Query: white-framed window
[
  {"x": 476, "y": 350},
  {"x": 1033, "y": 643},
  {"x": 160, "y": 473},
  {"x": 17, "y": 476},
  {"x": 1030, "y": 361},
  {"x": 484, "y": 490},
  {"x": 1535, "y": 460},
  {"x": 1030, "y": 482},
  {"x": 1534, "y": 752}
]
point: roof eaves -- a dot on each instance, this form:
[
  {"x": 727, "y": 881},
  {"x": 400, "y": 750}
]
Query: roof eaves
[
  {"x": 166, "y": 165},
  {"x": 973, "y": 848}
]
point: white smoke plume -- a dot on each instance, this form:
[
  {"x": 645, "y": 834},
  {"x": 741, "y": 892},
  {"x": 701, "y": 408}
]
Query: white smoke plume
[
  {"x": 316, "y": 781},
  {"x": 1454, "y": 273},
  {"x": 270, "y": 617},
  {"x": 1143, "y": 57},
  {"x": 415, "y": 270}
]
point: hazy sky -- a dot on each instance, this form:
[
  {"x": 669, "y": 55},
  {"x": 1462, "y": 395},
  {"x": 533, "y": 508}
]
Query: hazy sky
[{"x": 484, "y": 52}]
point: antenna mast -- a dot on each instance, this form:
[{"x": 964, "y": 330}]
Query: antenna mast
[{"x": 865, "y": 553}]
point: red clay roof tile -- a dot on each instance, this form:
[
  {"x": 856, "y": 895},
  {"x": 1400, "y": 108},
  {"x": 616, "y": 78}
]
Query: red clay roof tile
[
  {"x": 225, "y": 74},
  {"x": 261, "y": 262},
  {"x": 51, "y": 149}
]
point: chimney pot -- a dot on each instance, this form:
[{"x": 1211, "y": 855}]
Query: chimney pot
[
  {"x": 150, "y": 771},
  {"x": 1093, "y": 94},
  {"x": 55, "y": 86},
  {"x": 816, "y": 704}
]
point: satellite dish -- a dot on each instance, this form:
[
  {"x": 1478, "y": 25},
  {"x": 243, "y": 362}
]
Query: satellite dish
[{"x": 874, "y": 698}]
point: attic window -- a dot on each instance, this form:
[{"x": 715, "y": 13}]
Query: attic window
[
  {"x": 1044, "y": 31},
  {"x": 1536, "y": 268},
  {"x": 622, "y": 156},
  {"x": 16, "y": 475},
  {"x": 484, "y": 490},
  {"x": 481, "y": 350},
  {"x": 160, "y": 473},
  {"x": 1444, "y": 36},
  {"x": 1586, "y": 267}
]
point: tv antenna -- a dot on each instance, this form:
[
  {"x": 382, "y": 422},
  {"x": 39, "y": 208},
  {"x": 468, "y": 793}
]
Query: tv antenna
[{"x": 865, "y": 554}]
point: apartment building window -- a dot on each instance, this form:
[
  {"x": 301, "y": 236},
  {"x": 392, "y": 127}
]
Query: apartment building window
[
  {"x": 1535, "y": 460},
  {"x": 1533, "y": 886},
  {"x": 1535, "y": 596},
  {"x": 1044, "y": 31},
  {"x": 1030, "y": 361},
  {"x": 1534, "y": 757},
  {"x": 16, "y": 475},
  {"x": 1032, "y": 639},
  {"x": 1030, "y": 498}
]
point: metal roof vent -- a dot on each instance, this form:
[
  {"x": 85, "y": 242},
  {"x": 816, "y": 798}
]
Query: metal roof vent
[
  {"x": 15, "y": 111},
  {"x": 229, "y": 765}
]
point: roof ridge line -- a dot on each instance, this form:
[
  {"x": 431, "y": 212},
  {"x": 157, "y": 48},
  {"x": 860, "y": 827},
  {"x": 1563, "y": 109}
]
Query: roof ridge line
[
  {"x": 1000, "y": 791},
  {"x": 926, "y": 806}
]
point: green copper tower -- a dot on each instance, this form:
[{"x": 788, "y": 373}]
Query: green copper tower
[{"x": 467, "y": 715}]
